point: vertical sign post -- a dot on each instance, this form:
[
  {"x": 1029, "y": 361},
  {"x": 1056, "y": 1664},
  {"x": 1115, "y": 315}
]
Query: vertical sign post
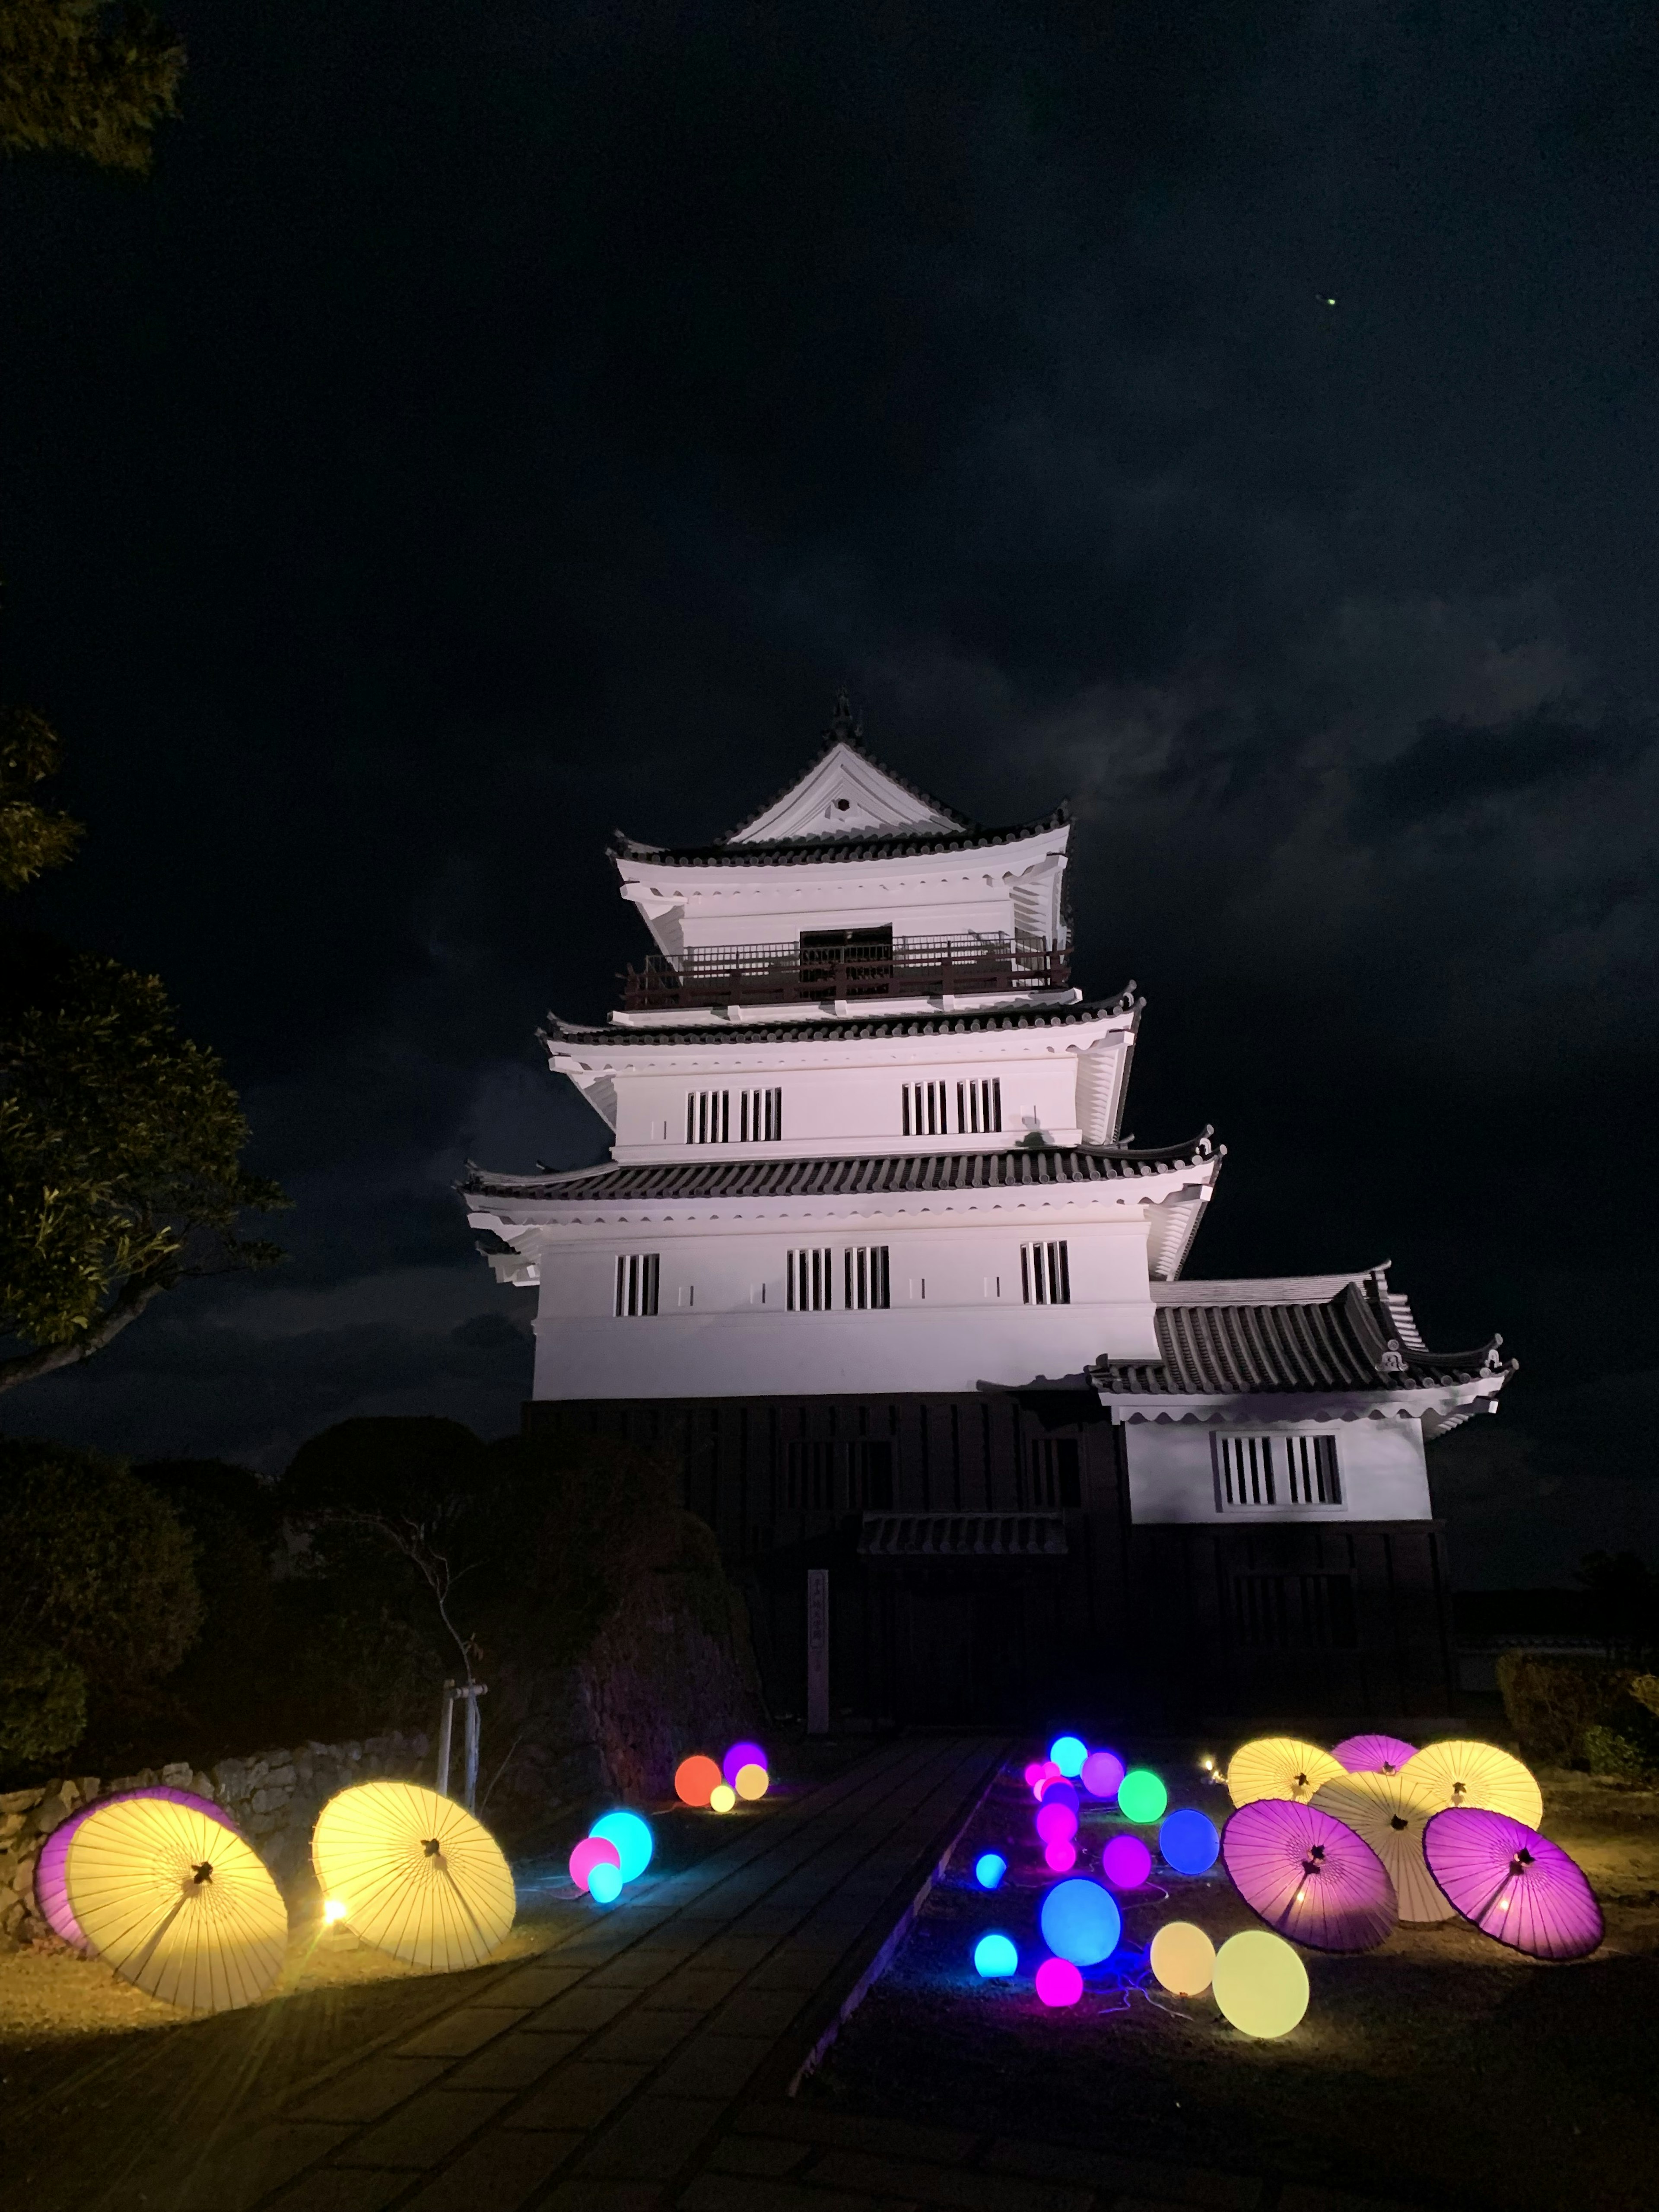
[{"x": 817, "y": 1651}]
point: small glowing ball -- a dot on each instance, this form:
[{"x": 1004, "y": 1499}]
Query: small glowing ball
[
  {"x": 1058, "y": 1982},
  {"x": 753, "y": 1782},
  {"x": 1189, "y": 1843},
  {"x": 1080, "y": 1923},
  {"x": 334, "y": 1908},
  {"x": 989, "y": 1868},
  {"x": 631, "y": 1833},
  {"x": 1141, "y": 1796},
  {"x": 1125, "y": 1863},
  {"x": 1068, "y": 1754},
  {"x": 741, "y": 1754},
  {"x": 694, "y": 1778},
  {"x": 1102, "y": 1772},
  {"x": 995, "y": 1958},
  {"x": 1034, "y": 1773},
  {"x": 605, "y": 1883},
  {"x": 1052, "y": 1791},
  {"x": 722, "y": 1797},
  {"x": 1183, "y": 1958},
  {"x": 592, "y": 1851},
  {"x": 1260, "y": 1983},
  {"x": 1055, "y": 1824},
  {"x": 1060, "y": 1856},
  {"x": 1046, "y": 1773}
]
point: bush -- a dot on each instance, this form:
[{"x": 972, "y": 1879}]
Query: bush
[
  {"x": 43, "y": 1705},
  {"x": 1626, "y": 1744},
  {"x": 1551, "y": 1702}
]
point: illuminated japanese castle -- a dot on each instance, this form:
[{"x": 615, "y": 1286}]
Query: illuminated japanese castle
[{"x": 871, "y": 1253}]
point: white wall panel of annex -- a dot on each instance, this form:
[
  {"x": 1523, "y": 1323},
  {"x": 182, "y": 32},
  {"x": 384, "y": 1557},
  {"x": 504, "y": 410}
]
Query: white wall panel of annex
[{"x": 1381, "y": 1462}]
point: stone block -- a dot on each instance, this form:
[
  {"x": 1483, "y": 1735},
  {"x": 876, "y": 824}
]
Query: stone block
[
  {"x": 458, "y": 2034},
  {"x": 20, "y": 1801},
  {"x": 499, "y": 2174},
  {"x": 716, "y": 2066},
  {"x": 516, "y": 2062},
  {"x": 652, "y": 2141},
  {"x": 177, "y": 1774},
  {"x": 580, "y": 2095},
  {"x": 368, "y": 2091},
  {"x": 425, "y": 2130}
]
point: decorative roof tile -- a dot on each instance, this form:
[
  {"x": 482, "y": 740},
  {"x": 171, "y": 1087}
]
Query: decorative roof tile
[
  {"x": 1024, "y": 1017},
  {"x": 868, "y": 845},
  {"x": 962, "y": 1536}
]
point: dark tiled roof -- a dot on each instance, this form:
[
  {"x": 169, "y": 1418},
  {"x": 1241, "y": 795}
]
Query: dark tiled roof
[
  {"x": 855, "y": 1025},
  {"x": 1350, "y": 1342},
  {"x": 1018, "y": 1168},
  {"x": 962, "y": 1536},
  {"x": 895, "y": 844}
]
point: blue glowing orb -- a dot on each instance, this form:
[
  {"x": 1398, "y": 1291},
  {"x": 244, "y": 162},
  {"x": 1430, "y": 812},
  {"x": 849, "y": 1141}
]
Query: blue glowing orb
[
  {"x": 989, "y": 1868},
  {"x": 995, "y": 1958},
  {"x": 1068, "y": 1754},
  {"x": 1081, "y": 1923},
  {"x": 631, "y": 1833},
  {"x": 1189, "y": 1843},
  {"x": 605, "y": 1883}
]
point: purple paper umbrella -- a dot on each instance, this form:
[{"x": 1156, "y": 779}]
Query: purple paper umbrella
[
  {"x": 1514, "y": 1884},
  {"x": 51, "y": 1892},
  {"x": 1308, "y": 1875},
  {"x": 1372, "y": 1754}
]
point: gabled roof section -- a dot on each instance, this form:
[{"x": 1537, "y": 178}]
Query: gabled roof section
[
  {"x": 620, "y": 1036},
  {"x": 845, "y": 792},
  {"x": 849, "y": 845}
]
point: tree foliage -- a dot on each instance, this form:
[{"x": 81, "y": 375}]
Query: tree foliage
[
  {"x": 81, "y": 77},
  {"x": 31, "y": 837}
]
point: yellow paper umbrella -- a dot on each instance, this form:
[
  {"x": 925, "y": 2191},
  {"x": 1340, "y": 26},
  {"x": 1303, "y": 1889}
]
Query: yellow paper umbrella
[
  {"x": 177, "y": 1903},
  {"x": 417, "y": 1875},
  {"x": 1279, "y": 1766},
  {"x": 1390, "y": 1812},
  {"x": 1477, "y": 1774}
]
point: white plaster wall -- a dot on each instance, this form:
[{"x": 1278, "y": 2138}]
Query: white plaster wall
[{"x": 1381, "y": 1462}]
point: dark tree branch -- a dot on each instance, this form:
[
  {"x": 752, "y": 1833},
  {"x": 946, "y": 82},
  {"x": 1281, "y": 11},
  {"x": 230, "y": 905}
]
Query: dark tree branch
[{"x": 134, "y": 1294}]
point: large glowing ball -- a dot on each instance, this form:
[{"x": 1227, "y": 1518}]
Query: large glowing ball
[
  {"x": 1068, "y": 1754},
  {"x": 1141, "y": 1796},
  {"x": 1183, "y": 1958},
  {"x": 741, "y": 1754},
  {"x": 1055, "y": 1824},
  {"x": 752, "y": 1782},
  {"x": 1059, "y": 1983},
  {"x": 989, "y": 1868},
  {"x": 722, "y": 1797},
  {"x": 605, "y": 1883},
  {"x": 592, "y": 1851},
  {"x": 631, "y": 1833},
  {"x": 995, "y": 1958},
  {"x": 1102, "y": 1772},
  {"x": 1189, "y": 1843},
  {"x": 1055, "y": 1790},
  {"x": 1080, "y": 1921},
  {"x": 694, "y": 1778},
  {"x": 1125, "y": 1863},
  {"x": 1062, "y": 1856},
  {"x": 1260, "y": 1983}
]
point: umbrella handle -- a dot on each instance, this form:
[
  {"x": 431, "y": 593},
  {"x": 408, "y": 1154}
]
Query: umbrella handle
[{"x": 148, "y": 1951}]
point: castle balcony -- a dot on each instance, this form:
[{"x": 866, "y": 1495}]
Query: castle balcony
[{"x": 857, "y": 963}]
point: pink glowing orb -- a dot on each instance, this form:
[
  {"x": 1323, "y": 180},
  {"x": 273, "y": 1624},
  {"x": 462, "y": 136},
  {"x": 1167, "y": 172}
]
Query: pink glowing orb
[
  {"x": 592, "y": 1851},
  {"x": 1056, "y": 1824},
  {"x": 1062, "y": 1856},
  {"x": 1125, "y": 1863},
  {"x": 1034, "y": 1774},
  {"x": 1059, "y": 1983},
  {"x": 1046, "y": 1771},
  {"x": 1102, "y": 1772}
]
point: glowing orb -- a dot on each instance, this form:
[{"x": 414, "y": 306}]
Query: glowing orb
[
  {"x": 1141, "y": 1796},
  {"x": 695, "y": 1778},
  {"x": 1102, "y": 1772},
  {"x": 995, "y": 1958},
  {"x": 1061, "y": 1855},
  {"x": 1059, "y": 1983},
  {"x": 741, "y": 1754},
  {"x": 1189, "y": 1843},
  {"x": 989, "y": 1868},
  {"x": 1047, "y": 1772},
  {"x": 1068, "y": 1754},
  {"x": 605, "y": 1883},
  {"x": 592, "y": 1851},
  {"x": 334, "y": 1908},
  {"x": 753, "y": 1782},
  {"x": 1183, "y": 1958},
  {"x": 1260, "y": 1983},
  {"x": 1125, "y": 1863},
  {"x": 1055, "y": 1823},
  {"x": 631, "y": 1833},
  {"x": 1080, "y": 1923},
  {"x": 722, "y": 1797},
  {"x": 1053, "y": 1790}
]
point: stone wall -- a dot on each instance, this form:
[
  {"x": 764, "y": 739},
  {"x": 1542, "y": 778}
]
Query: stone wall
[{"x": 274, "y": 1798}]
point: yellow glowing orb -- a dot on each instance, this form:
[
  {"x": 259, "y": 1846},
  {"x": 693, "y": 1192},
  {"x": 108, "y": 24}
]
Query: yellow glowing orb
[
  {"x": 722, "y": 1797},
  {"x": 753, "y": 1782},
  {"x": 1259, "y": 1983},
  {"x": 1183, "y": 1958},
  {"x": 334, "y": 1909}
]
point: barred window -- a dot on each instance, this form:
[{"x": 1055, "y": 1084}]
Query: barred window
[
  {"x": 1310, "y": 1464},
  {"x": 1260, "y": 1471},
  {"x": 926, "y": 1109},
  {"x": 708, "y": 1117},
  {"x": 865, "y": 1277},
  {"x": 760, "y": 1116},
  {"x": 1045, "y": 1275},
  {"x": 810, "y": 1280},
  {"x": 979, "y": 1106},
  {"x": 1244, "y": 1471},
  {"x": 1055, "y": 1476},
  {"x": 637, "y": 1277}
]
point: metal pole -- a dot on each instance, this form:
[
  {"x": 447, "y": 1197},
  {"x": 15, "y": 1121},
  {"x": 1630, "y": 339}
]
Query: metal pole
[
  {"x": 446, "y": 1722},
  {"x": 472, "y": 1692}
]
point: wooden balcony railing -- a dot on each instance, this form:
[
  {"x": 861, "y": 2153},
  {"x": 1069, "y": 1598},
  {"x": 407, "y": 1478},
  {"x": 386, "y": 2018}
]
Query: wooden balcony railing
[{"x": 785, "y": 975}]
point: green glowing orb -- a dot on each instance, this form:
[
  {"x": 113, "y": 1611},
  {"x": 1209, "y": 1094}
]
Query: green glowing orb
[{"x": 1141, "y": 1796}]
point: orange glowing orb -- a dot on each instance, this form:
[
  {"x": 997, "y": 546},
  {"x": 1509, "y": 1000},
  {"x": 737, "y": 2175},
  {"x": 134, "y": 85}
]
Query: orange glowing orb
[{"x": 696, "y": 1779}]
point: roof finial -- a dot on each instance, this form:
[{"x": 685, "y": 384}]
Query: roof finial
[{"x": 844, "y": 724}]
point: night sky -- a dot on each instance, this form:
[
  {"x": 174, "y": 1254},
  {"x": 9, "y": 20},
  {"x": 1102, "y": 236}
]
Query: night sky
[{"x": 493, "y": 425}]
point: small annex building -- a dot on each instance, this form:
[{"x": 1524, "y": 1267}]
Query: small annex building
[{"x": 871, "y": 1256}]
